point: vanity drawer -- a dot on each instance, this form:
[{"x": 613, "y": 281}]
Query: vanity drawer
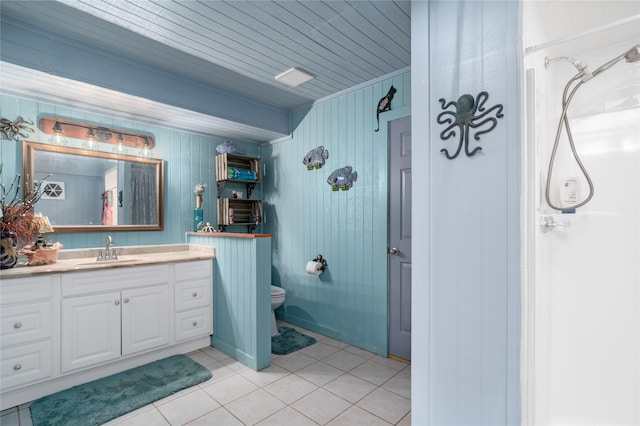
[
  {"x": 25, "y": 364},
  {"x": 111, "y": 279},
  {"x": 28, "y": 289},
  {"x": 26, "y": 323},
  {"x": 191, "y": 270},
  {"x": 192, "y": 294},
  {"x": 193, "y": 323}
]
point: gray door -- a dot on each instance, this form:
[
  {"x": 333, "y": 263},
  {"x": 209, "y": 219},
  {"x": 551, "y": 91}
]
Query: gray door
[{"x": 400, "y": 238}]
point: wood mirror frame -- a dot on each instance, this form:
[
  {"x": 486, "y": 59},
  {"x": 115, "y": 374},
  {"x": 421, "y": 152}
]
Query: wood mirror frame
[{"x": 31, "y": 151}]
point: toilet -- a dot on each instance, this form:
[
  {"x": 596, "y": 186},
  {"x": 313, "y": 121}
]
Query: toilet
[{"x": 277, "y": 299}]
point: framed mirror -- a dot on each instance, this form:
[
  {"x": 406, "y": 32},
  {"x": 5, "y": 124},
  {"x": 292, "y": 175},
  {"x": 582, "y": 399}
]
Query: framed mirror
[{"x": 90, "y": 191}]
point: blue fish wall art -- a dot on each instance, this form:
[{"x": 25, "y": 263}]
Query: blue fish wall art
[
  {"x": 342, "y": 178},
  {"x": 315, "y": 158}
]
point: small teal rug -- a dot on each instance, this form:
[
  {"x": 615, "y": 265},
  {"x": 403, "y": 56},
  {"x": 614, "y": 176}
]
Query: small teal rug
[
  {"x": 289, "y": 340},
  {"x": 97, "y": 402}
]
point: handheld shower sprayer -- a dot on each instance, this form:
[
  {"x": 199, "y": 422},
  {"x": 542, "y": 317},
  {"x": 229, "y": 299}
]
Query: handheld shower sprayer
[{"x": 632, "y": 55}]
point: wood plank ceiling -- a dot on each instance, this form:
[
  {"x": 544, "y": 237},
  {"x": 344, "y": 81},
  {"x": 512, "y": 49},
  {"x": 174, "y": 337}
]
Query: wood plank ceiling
[{"x": 240, "y": 46}]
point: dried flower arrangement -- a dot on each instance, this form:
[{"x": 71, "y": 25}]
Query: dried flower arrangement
[{"x": 17, "y": 222}]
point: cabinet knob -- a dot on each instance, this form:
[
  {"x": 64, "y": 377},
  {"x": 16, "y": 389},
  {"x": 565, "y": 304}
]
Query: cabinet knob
[
  {"x": 17, "y": 367},
  {"x": 195, "y": 323},
  {"x": 17, "y": 325},
  {"x": 116, "y": 302},
  {"x": 126, "y": 300},
  {"x": 195, "y": 294}
]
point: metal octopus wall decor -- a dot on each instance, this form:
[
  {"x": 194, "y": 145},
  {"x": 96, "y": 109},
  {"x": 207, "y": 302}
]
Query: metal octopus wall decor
[
  {"x": 469, "y": 113},
  {"x": 15, "y": 130}
]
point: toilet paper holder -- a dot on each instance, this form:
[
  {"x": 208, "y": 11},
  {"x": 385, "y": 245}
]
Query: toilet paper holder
[{"x": 320, "y": 259}]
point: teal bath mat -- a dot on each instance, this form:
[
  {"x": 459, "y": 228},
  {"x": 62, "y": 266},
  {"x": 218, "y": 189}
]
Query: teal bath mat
[
  {"x": 289, "y": 341},
  {"x": 97, "y": 402}
]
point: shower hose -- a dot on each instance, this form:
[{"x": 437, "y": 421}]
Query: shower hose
[{"x": 564, "y": 120}]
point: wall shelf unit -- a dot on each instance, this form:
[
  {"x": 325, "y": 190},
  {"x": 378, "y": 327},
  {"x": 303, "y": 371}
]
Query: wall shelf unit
[
  {"x": 238, "y": 169},
  {"x": 227, "y": 163}
]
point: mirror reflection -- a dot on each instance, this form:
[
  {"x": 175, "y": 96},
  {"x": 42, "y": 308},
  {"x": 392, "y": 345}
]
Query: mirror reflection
[{"x": 95, "y": 191}]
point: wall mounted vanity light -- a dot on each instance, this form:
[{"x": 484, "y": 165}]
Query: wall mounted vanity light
[
  {"x": 120, "y": 148},
  {"x": 93, "y": 136},
  {"x": 90, "y": 144},
  {"x": 58, "y": 138},
  {"x": 145, "y": 152}
]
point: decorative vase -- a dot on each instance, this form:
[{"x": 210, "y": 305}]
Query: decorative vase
[
  {"x": 198, "y": 213},
  {"x": 8, "y": 250},
  {"x": 198, "y": 218}
]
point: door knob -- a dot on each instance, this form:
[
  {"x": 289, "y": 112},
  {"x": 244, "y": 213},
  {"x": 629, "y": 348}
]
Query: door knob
[{"x": 394, "y": 251}]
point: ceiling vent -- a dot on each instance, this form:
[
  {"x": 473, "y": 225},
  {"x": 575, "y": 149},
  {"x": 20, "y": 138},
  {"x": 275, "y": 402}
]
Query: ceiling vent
[{"x": 294, "y": 77}]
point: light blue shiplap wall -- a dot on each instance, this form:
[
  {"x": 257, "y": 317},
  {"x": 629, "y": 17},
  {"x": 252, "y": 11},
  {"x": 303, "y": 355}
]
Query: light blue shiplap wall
[
  {"x": 466, "y": 247},
  {"x": 349, "y": 228},
  {"x": 241, "y": 297},
  {"x": 189, "y": 159}
]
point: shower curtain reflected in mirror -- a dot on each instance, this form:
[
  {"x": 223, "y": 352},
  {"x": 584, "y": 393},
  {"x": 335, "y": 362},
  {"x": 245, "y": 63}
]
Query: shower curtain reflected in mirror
[{"x": 142, "y": 192}]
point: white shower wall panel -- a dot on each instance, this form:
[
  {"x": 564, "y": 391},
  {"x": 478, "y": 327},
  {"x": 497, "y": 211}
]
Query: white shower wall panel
[{"x": 587, "y": 275}]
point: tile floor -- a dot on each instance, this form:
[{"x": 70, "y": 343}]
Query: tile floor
[{"x": 328, "y": 383}]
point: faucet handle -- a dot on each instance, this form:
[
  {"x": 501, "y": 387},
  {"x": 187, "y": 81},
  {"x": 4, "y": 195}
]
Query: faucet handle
[
  {"x": 114, "y": 254},
  {"x": 99, "y": 255}
]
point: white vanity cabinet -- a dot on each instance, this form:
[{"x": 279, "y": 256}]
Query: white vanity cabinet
[
  {"x": 100, "y": 325},
  {"x": 193, "y": 300},
  {"x": 70, "y": 327},
  {"x": 28, "y": 321}
]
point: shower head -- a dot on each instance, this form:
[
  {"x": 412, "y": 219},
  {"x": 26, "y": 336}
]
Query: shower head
[
  {"x": 633, "y": 54},
  {"x": 586, "y": 74},
  {"x": 579, "y": 65}
]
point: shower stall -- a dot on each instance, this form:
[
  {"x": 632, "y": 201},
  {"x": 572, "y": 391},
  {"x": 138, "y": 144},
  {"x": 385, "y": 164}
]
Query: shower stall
[{"x": 581, "y": 238}]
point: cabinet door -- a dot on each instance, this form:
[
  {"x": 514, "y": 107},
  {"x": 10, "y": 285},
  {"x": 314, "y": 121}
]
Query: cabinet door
[
  {"x": 145, "y": 318},
  {"x": 90, "y": 330}
]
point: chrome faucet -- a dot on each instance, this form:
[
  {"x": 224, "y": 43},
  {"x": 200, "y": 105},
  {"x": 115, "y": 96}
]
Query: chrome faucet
[
  {"x": 107, "y": 246},
  {"x": 109, "y": 252}
]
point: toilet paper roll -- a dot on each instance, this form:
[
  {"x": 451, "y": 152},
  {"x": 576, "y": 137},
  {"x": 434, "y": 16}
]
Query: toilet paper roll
[{"x": 314, "y": 268}]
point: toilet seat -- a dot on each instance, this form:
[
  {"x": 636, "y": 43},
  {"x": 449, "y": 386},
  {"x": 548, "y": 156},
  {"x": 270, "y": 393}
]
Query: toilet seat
[
  {"x": 277, "y": 299},
  {"x": 277, "y": 293}
]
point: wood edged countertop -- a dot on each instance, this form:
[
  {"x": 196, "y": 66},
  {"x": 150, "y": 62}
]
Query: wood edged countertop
[
  {"x": 77, "y": 260},
  {"x": 228, "y": 234}
]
